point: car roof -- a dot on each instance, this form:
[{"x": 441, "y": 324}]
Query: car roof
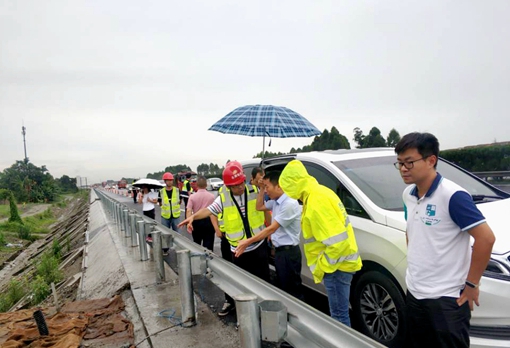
[{"x": 329, "y": 155}]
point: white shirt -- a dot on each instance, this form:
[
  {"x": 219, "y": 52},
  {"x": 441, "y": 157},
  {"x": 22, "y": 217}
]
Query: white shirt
[
  {"x": 146, "y": 204},
  {"x": 439, "y": 252}
]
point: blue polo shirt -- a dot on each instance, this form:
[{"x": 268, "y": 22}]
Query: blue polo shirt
[
  {"x": 439, "y": 251},
  {"x": 287, "y": 212}
]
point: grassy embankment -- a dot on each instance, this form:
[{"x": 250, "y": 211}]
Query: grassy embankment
[{"x": 46, "y": 267}]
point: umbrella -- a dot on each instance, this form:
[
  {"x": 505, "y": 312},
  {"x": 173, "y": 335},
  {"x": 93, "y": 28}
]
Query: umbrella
[
  {"x": 262, "y": 120},
  {"x": 150, "y": 183}
]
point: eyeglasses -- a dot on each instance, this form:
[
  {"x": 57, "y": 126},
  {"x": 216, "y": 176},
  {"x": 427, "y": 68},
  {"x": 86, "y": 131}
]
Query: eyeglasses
[{"x": 408, "y": 164}]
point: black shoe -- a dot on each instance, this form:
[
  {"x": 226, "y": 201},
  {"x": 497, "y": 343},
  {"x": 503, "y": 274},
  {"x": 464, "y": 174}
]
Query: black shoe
[{"x": 226, "y": 309}]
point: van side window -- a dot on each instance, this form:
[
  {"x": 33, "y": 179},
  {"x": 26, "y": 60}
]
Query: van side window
[{"x": 324, "y": 177}]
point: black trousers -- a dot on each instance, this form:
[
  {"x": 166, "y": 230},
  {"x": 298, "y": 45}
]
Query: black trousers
[
  {"x": 227, "y": 255},
  {"x": 287, "y": 261},
  {"x": 255, "y": 262},
  {"x": 150, "y": 213},
  {"x": 438, "y": 323},
  {"x": 203, "y": 231}
]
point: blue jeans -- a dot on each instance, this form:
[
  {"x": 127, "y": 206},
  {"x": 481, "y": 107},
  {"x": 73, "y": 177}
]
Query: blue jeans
[
  {"x": 170, "y": 223},
  {"x": 338, "y": 286}
]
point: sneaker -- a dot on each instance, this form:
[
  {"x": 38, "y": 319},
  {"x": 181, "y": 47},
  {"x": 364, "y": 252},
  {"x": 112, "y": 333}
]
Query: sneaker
[
  {"x": 165, "y": 251},
  {"x": 226, "y": 309}
]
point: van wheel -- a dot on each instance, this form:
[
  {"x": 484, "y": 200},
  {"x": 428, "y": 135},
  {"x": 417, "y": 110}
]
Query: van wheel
[{"x": 378, "y": 309}]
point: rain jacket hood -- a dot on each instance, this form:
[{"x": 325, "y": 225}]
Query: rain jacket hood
[{"x": 296, "y": 182}]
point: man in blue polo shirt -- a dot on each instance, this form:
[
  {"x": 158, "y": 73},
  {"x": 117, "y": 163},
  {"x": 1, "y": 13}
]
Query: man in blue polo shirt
[
  {"x": 443, "y": 273},
  {"x": 285, "y": 229}
]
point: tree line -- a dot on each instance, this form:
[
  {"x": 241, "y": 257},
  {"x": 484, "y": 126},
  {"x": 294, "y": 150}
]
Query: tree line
[{"x": 30, "y": 183}]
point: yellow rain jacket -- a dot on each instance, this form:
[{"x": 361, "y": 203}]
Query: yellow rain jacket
[{"x": 329, "y": 240}]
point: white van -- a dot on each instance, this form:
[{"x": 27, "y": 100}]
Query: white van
[{"x": 371, "y": 190}]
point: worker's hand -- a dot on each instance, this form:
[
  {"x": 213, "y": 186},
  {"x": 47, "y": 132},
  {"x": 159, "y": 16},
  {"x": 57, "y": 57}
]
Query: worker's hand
[
  {"x": 218, "y": 233},
  {"x": 241, "y": 247},
  {"x": 469, "y": 295},
  {"x": 188, "y": 222}
]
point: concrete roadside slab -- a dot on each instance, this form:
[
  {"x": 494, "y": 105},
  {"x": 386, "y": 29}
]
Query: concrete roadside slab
[{"x": 158, "y": 305}]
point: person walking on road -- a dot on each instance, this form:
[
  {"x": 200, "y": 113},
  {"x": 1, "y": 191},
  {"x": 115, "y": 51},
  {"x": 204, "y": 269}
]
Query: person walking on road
[
  {"x": 203, "y": 230},
  {"x": 240, "y": 220},
  {"x": 330, "y": 245},
  {"x": 284, "y": 230},
  {"x": 170, "y": 202},
  {"x": 186, "y": 190},
  {"x": 443, "y": 270}
]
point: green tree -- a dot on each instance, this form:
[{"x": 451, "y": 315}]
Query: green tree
[
  {"x": 28, "y": 182},
  {"x": 328, "y": 140},
  {"x": 374, "y": 139},
  {"x": 393, "y": 138},
  {"x": 171, "y": 169},
  {"x": 14, "y": 214},
  {"x": 359, "y": 138},
  {"x": 67, "y": 184}
]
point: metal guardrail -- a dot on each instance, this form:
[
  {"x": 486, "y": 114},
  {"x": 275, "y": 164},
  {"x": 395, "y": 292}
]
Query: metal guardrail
[
  {"x": 503, "y": 173},
  {"x": 306, "y": 326}
]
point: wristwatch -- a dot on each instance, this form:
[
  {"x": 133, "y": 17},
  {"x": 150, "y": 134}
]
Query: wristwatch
[{"x": 472, "y": 285}]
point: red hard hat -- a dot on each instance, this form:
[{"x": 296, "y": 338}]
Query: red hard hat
[
  {"x": 233, "y": 174},
  {"x": 234, "y": 163},
  {"x": 168, "y": 176}
]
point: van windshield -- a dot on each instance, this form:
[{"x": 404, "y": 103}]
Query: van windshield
[{"x": 377, "y": 178}]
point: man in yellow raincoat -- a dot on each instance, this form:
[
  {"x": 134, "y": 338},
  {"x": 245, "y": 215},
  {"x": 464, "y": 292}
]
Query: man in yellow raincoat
[{"x": 330, "y": 245}]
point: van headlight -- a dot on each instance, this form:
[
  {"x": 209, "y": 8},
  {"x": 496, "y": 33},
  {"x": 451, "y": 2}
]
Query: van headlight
[{"x": 498, "y": 267}]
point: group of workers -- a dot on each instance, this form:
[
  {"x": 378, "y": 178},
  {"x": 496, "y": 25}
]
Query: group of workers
[{"x": 249, "y": 217}]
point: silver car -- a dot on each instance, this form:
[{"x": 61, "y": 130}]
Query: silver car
[{"x": 214, "y": 184}]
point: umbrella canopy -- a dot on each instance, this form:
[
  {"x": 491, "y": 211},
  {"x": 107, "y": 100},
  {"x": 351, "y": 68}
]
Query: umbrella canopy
[
  {"x": 262, "y": 120},
  {"x": 150, "y": 183}
]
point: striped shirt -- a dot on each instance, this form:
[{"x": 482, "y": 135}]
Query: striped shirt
[{"x": 217, "y": 208}]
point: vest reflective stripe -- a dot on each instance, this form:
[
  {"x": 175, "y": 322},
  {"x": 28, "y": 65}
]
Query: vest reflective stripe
[
  {"x": 232, "y": 220},
  {"x": 331, "y": 240},
  {"x": 352, "y": 257},
  {"x": 165, "y": 204}
]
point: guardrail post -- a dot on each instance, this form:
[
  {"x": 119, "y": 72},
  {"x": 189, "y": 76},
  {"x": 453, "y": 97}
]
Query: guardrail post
[
  {"x": 141, "y": 241},
  {"x": 123, "y": 211},
  {"x": 248, "y": 318},
  {"x": 127, "y": 230},
  {"x": 158, "y": 256},
  {"x": 186, "y": 287},
  {"x": 134, "y": 239},
  {"x": 273, "y": 321}
]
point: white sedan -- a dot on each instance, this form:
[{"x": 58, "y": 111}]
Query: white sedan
[{"x": 214, "y": 184}]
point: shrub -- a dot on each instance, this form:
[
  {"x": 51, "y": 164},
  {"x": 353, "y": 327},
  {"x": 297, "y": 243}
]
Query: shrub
[
  {"x": 24, "y": 232},
  {"x": 2, "y": 239},
  {"x": 48, "y": 269},
  {"x": 57, "y": 248},
  {"x": 40, "y": 290}
]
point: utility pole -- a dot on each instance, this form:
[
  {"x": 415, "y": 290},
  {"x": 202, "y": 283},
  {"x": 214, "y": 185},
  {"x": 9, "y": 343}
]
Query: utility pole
[{"x": 24, "y": 131}]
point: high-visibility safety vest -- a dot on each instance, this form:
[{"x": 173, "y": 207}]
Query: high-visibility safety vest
[
  {"x": 168, "y": 211},
  {"x": 221, "y": 225},
  {"x": 329, "y": 241},
  {"x": 232, "y": 220},
  {"x": 185, "y": 186}
]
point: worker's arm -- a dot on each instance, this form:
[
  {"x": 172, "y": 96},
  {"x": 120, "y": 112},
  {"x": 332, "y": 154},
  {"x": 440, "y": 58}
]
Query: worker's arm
[
  {"x": 243, "y": 244},
  {"x": 261, "y": 206},
  {"x": 482, "y": 249},
  {"x": 214, "y": 221},
  {"x": 201, "y": 214}
]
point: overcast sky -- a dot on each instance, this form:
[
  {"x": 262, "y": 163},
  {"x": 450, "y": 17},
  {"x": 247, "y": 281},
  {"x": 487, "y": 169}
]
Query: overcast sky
[{"x": 122, "y": 88}]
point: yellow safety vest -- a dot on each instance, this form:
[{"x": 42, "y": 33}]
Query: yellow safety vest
[
  {"x": 175, "y": 209},
  {"x": 221, "y": 225},
  {"x": 185, "y": 186},
  {"x": 231, "y": 218}
]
